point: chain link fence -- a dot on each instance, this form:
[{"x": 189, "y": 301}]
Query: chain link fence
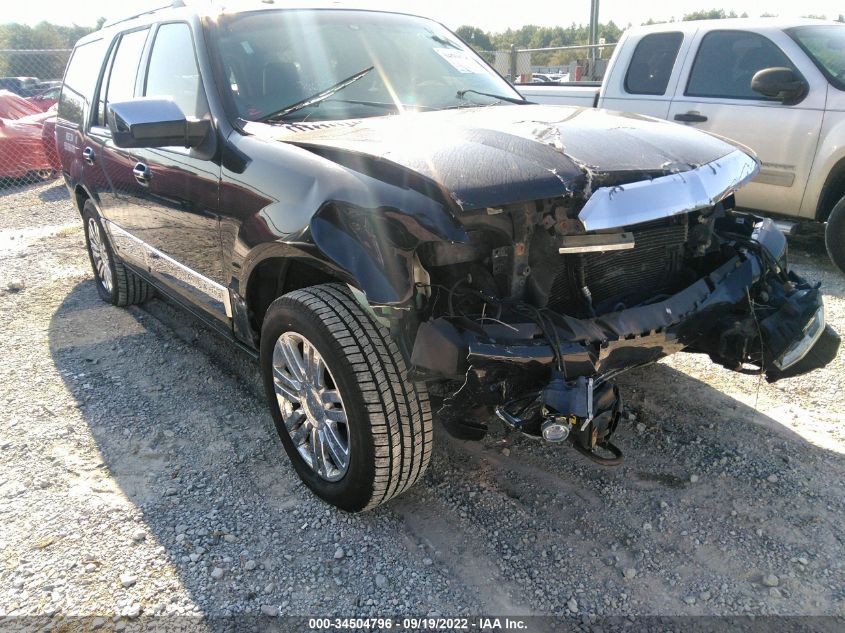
[
  {"x": 30, "y": 81},
  {"x": 559, "y": 64}
]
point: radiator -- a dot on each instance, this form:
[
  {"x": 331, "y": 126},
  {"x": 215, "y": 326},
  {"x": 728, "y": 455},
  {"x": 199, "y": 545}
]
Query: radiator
[{"x": 622, "y": 279}]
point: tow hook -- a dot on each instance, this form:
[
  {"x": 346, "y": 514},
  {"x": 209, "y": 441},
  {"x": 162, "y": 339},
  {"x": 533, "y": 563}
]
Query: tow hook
[{"x": 579, "y": 410}]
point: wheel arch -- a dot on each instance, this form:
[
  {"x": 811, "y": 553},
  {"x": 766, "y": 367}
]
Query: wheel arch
[
  {"x": 279, "y": 271},
  {"x": 80, "y": 194},
  {"x": 832, "y": 192}
]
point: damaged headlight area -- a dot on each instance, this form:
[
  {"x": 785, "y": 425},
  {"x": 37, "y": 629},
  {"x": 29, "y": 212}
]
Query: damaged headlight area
[{"x": 535, "y": 316}]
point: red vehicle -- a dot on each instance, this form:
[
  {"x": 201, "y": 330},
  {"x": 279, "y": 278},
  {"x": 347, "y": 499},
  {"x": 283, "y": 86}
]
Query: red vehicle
[
  {"x": 27, "y": 144},
  {"x": 45, "y": 99},
  {"x": 13, "y": 106}
]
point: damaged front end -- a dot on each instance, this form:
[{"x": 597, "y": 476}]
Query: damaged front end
[{"x": 548, "y": 301}]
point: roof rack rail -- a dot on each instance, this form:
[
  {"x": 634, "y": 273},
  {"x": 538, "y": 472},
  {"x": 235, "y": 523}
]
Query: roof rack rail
[{"x": 175, "y": 4}]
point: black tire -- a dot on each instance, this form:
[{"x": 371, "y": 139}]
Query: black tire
[
  {"x": 834, "y": 235},
  {"x": 122, "y": 287},
  {"x": 389, "y": 423}
]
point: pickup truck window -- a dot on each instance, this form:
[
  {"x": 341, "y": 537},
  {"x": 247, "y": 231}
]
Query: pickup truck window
[
  {"x": 726, "y": 62},
  {"x": 652, "y": 63},
  {"x": 825, "y": 45},
  {"x": 273, "y": 59},
  {"x": 80, "y": 80},
  {"x": 173, "y": 71}
]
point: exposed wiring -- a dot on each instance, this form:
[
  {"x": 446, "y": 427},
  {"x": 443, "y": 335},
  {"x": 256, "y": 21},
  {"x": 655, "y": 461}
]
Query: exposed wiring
[
  {"x": 752, "y": 306},
  {"x": 537, "y": 315}
]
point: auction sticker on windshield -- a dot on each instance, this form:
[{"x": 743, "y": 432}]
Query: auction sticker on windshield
[{"x": 462, "y": 61}]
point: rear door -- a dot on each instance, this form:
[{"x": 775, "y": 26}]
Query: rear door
[
  {"x": 75, "y": 102},
  {"x": 111, "y": 178},
  {"x": 168, "y": 197},
  {"x": 645, "y": 85},
  {"x": 717, "y": 97}
]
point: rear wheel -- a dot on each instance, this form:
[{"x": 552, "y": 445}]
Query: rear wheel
[
  {"x": 357, "y": 432},
  {"x": 116, "y": 284},
  {"x": 834, "y": 235}
]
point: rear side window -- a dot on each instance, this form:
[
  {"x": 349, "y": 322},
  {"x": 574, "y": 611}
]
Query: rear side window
[
  {"x": 652, "y": 63},
  {"x": 81, "y": 80},
  {"x": 173, "y": 73},
  {"x": 124, "y": 70},
  {"x": 726, "y": 62}
]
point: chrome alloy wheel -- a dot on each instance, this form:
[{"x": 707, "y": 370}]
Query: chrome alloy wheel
[
  {"x": 99, "y": 254},
  {"x": 311, "y": 406}
]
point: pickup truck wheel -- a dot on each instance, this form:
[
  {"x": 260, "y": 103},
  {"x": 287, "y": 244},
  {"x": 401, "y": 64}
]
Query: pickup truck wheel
[
  {"x": 116, "y": 284},
  {"x": 357, "y": 432},
  {"x": 834, "y": 235}
]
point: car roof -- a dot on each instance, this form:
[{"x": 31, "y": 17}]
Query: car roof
[
  {"x": 182, "y": 12},
  {"x": 756, "y": 24}
]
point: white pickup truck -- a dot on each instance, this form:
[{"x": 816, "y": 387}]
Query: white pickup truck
[{"x": 775, "y": 86}]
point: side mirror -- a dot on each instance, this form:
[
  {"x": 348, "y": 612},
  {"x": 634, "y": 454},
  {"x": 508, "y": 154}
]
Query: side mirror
[
  {"x": 154, "y": 123},
  {"x": 782, "y": 84}
]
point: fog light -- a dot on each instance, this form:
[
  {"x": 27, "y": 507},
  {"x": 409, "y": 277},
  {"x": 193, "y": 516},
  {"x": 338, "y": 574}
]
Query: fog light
[
  {"x": 555, "y": 431},
  {"x": 798, "y": 350}
]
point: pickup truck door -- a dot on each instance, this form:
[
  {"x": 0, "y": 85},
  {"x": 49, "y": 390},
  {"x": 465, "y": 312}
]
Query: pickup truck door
[
  {"x": 716, "y": 96},
  {"x": 163, "y": 203}
]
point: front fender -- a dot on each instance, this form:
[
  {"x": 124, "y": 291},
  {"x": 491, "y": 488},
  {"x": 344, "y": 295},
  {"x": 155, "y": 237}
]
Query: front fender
[{"x": 376, "y": 247}]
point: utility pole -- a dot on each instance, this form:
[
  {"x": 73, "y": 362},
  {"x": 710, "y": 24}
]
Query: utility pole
[{"x": 594, "y": 29}]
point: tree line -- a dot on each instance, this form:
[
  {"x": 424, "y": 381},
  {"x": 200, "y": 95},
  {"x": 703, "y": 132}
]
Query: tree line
[
  {"x": 533, "y": 36},
  {"x": 42, "y": 36}
]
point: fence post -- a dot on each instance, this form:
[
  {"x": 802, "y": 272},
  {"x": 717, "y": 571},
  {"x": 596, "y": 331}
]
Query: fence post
[{"x": 512, "y": 70}]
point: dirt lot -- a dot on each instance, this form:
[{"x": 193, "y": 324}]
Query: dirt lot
[{"x": 139, "y": 474}]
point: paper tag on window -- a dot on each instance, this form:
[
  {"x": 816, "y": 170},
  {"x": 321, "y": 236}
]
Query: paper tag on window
[{"x": 462, "y": 61}]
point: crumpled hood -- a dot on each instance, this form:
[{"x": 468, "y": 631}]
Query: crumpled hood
[{"x": 496, "y": 155}]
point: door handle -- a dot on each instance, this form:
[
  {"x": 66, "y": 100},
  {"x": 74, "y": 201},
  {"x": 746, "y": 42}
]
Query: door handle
[
  {"x": 88, "y": 155},
  {"x": 691, "y": 117},
  {"x": 141, "y": 173}
]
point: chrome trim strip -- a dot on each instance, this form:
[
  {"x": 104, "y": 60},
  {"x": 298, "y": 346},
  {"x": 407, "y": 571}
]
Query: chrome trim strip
[
  {"x": 775, "y": 178},
  {"x": 596, "y": 243},
  {"x": 676, "y": 194},
  {"x": 212, "y": 293}
]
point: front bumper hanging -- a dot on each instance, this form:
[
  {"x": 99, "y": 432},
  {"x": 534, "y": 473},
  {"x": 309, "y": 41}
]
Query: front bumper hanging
[{"x": 748, "y": 315}]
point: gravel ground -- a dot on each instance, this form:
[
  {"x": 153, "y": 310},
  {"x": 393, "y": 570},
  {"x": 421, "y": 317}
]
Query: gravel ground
[{"x": 139, "y": 474}]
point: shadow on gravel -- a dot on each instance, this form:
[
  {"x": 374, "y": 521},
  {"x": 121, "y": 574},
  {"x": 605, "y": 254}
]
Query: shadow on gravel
[
  {"x": 55, "y": 193},
  {"x": 10, "y": 186},
  {"x": 190, "y": 445}
]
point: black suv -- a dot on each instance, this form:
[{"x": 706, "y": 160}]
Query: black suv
[{"x": 360, "y": 201}]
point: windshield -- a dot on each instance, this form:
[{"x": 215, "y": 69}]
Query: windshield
[
  {"x": 275, "y": 59},
  {"x": 826, "y": 46}
]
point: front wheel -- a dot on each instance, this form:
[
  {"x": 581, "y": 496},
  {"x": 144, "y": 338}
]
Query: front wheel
[
  {"x": 834, "y": 235},
  {"x": 356, "y": 430}
]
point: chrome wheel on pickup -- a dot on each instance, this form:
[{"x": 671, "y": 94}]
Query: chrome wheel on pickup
[
  {"x": 357, "y": 432},
  {"x": 311, "y": 406}
]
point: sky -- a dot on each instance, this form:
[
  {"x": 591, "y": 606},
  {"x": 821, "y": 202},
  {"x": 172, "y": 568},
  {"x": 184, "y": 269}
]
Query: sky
[{"x": 490, "y": 15}]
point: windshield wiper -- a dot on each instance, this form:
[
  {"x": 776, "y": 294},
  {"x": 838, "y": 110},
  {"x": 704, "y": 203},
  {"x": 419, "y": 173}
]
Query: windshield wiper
[
  {"x": 462, "y": 93},
  {"x": 317, "y": 98},
  {"x": 386, "y": 106}
]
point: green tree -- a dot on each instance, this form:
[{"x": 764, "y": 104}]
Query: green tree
[
  {"x": 711, "y": 14},
  {"x": 475, "y": 37},
  {"x": 44, "y": 49}
]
